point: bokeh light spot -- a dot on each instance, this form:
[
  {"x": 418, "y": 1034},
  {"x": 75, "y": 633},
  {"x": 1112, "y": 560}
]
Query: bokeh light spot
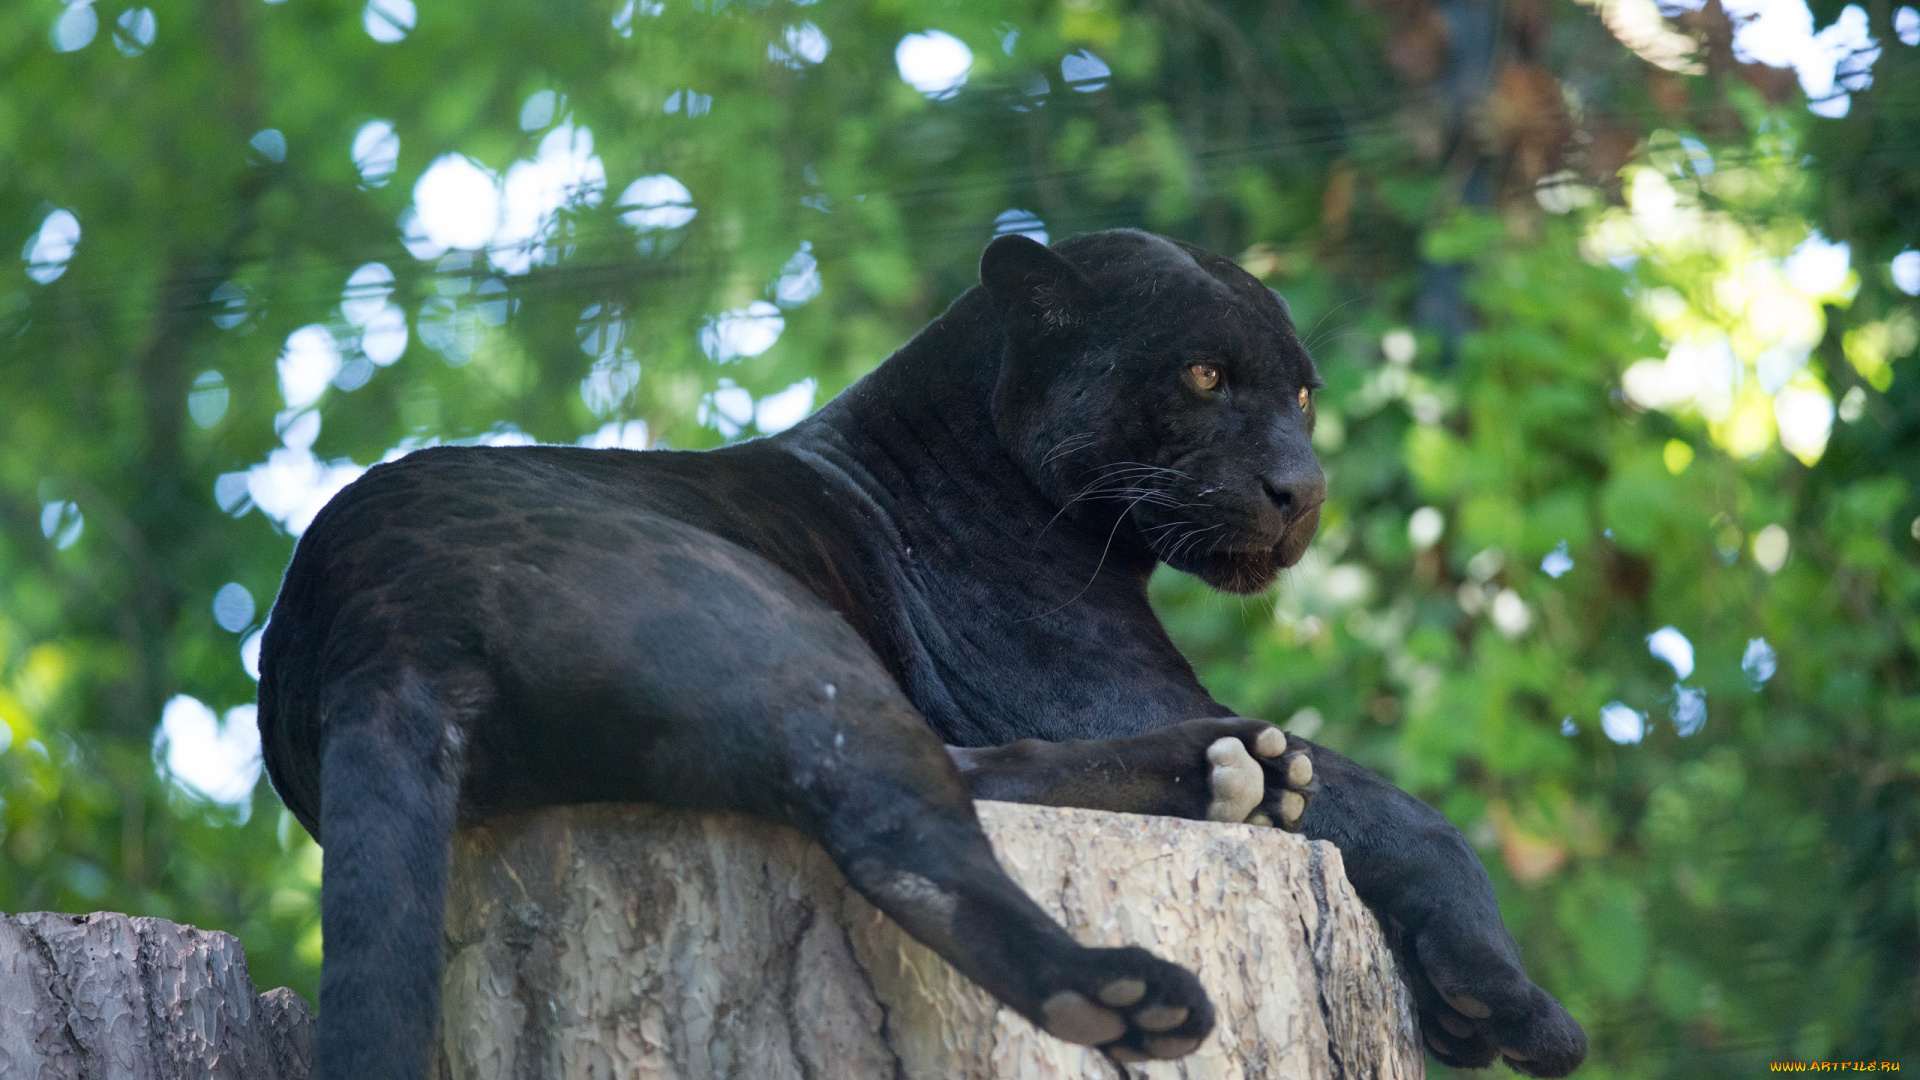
[
  {"x": 376, "y": 152},
  {"x": 1022, "y": 223},
  {"x": 50, "y": 248},
  {"x": 456, "y": 203},
  {"x": 207, "y": 401},
  {"x": 1424, "y": 527},
  {"x": 1770, "y": 547},
  {"x": 933, "y": 62},
  {"x": 388, "y": 21},
  {"x": 1669, "y": 644},
  {"x": 1622, "y": 723},
  {"x": 1085, "y": 72},
  {"x": 135, "y": 31},
  {"x": 233, "y": 607},
  {"x": 215, "y": 759},
  {"x": 75, "y": 26}
]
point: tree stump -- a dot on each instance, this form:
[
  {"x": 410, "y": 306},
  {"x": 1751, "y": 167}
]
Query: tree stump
[
  {"x": 106, "y": 997},
  {"x": 630, "y": 942}
]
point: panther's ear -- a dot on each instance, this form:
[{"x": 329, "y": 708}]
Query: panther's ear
[{"x": 1034, "y": 290}]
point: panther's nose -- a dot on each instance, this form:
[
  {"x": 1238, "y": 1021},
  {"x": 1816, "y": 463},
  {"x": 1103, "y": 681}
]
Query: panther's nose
[{"x": 1296, "y": 491}]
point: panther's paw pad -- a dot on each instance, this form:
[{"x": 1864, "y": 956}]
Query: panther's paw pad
[
  {"x": 1504, "y": 1015},
  {"x": 1237, "y": 782},
  {"x": 1135, "y": 1007},
  {"x": 1072, "y": 1017},
  {"x": 1258, "y": 778}
]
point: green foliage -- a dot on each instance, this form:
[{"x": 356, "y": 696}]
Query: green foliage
[{"x": 1704, "y": 903}]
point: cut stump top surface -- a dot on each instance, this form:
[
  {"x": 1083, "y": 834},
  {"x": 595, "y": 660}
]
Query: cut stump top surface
[{"x": 628, "y": 941}]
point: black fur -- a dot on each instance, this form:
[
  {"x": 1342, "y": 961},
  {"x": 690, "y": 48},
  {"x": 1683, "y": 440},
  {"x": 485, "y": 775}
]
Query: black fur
[{"x": 953, "y": 551}]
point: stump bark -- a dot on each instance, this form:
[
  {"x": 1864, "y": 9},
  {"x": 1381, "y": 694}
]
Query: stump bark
[
  {"x": 632, "y": 942},
  {"x": 106, "y": 997}
]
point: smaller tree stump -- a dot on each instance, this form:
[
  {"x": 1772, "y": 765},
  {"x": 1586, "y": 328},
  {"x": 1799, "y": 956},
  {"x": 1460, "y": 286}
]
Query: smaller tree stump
[
  {"x": 107, "y": 997},
  {"x": 632, "y": 942}
]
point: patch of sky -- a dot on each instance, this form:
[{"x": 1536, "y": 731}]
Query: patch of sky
[
  {"x": 388, "y": 21},
  {"x": 1020, "y": 222},
  {"x": 308, "y": 363},
  {"x": 728, "y": 409},
  {"x": 366, "y": 293},
  {"x": 270, "y": 143},
  {"x": 292, "y": 485},
  {"x": 207, "y": 401},
  {"x": 449, "y": 329},
  {"x": 615, "y": 373},
  {"x": 617, "y": 435},
  {"x": 799, "y": 279},
  {"x": 782, "y": 409},
  {"x": 1698, "y": 156},
  {"x": 232, "y": 305},
  {"x": 134, "y": 31},
  {"x": 212, "y": 758},
  {"x": 1759, "y": 662},
  {"x": 1804, "y": 416},
  {"x": 250, "y": 653},
  {"x": 1035, "y": 89},
  {"x": 456, "y": 204},
  {"x": 623, "y": 18},
  {"x": 1689, "y": 710},
  {"x": 1818, "y": 265},
  {"x": 1009, "y": 37},
  {"x": 800, "y": 44},
  {"x": 608, "y": 383},
  {"x": 1622, "y": 723},
  {"x": 654, "y": 206},
  {"x": 1557, "y": 562},
  {"x": 1568, "y": 727},
  {"x": 741, "y": 332},
  {"x": 1905, "y": 269},
  {"x": 51, "y": 247},
  {"x": 74, "y": 27},
  {"x": 62, "y": 522},
  {"x": 1671, "y": 645},
  {"x": 933, "y": 62},
  {"x": 601, "y": 329},
  {"x": 539, "y": 110},
  {"x": 1829, "y": 64},
  {"x": 1777, "y": 366},
  {"x": 1085, "y": 72},
  {"x": 691, "y": 102},
  {"x": 492, "y": 303},
  {"x": 564, "y": 174},
  {"x": 376, "y": 153},
  {"x": 1906, "y": 25},
  {"x": 461, "y": 205},
  {"x": 233, "y": 607}
]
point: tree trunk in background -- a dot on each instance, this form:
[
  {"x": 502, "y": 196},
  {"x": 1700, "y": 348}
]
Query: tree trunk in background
[
  {"x": 630, "y": 942},
  {"x": 106, "y": 997}
]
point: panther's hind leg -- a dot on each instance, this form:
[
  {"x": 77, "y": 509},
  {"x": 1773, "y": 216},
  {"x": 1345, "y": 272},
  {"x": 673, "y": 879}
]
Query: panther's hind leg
[{"x": 389, "y": 781}]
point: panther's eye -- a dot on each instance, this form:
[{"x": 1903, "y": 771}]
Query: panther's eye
[
  {"x": 1306, "y": 399},
  {"x": 1203, "y": 376}
]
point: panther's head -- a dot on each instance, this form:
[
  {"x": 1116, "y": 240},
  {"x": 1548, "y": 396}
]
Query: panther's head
[{"x": 1149, "y": 378}]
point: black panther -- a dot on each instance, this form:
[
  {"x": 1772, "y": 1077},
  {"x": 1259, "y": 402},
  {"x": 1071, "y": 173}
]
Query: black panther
[{"x": 931, "y": 591}]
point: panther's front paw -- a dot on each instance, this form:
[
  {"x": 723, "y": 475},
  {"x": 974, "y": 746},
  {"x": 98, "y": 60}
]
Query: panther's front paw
[
  {"x": 1475, "y": 1007},
  {"x": 1129, "y": 1003},
  {"x": 1269, "y": 786}
]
